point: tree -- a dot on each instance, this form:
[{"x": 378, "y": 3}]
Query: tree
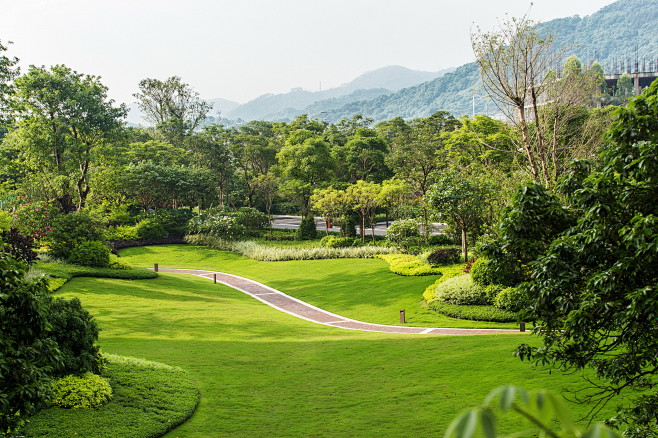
[
  {"x": 365, "y": 198},
  {"x": 362, "y": 157},
  {"x": 64, "y": 117},
  {"x": 212, "y": 147},
  {"x": 514, "y": 63},
  {"x": 8, "y": 72},
  {"x": 461, "y": 200},
  {"x": 27, "y": 354},
  {"x": 172, "y": 106},
  {"x": 593, "y": 291}
]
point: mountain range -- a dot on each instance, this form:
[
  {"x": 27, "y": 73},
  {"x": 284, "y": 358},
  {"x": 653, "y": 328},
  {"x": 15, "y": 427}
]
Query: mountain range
[{"x": 621, "y": 33}]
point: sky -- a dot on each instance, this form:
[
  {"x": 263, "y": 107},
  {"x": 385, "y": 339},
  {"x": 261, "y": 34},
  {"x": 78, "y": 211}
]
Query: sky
[{"x": 241, "y": 49}]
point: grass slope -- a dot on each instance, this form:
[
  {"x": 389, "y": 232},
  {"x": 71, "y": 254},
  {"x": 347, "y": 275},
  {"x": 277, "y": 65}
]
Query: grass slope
[
  {"x": 148, "y": 400},
  {"x": 264, "y": 373},
  {"x": 362, "y": 289}
]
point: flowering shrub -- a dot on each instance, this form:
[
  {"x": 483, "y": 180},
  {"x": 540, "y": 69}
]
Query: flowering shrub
[{"x": 35, "y": 219}]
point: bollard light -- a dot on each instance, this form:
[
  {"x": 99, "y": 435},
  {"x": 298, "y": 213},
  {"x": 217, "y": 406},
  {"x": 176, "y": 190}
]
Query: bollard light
[
  {"x": 155, "y": 267},
  {"x": 402, "y": 318}
]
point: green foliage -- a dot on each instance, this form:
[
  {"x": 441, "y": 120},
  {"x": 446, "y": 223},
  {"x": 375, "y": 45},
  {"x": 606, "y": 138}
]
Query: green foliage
[
  {"x": 72, "y": 229},
  {"x": 443, "y": 256},
  {"x": 76, "y": 333},
  {"x": 121, "y": 232},
  {"x": 85, "y": 391},
  {"x": 473, "y": 312},
  {"x": 544, "y": 412},
  {"x": 27, "y": 354},
  {"x": 463, "y": 291},
  {"x": 267, "y": 253},
  {"x": 150, "y": 229},
  {"x": 218, "y": 222},
  {"x": 90, "y": 253},
  {"x": 593, "y": 290},
  {"x": 35, "y": 218},
  {"x": 404, "y": 233},
  {"x": 407, "y": 265},
  {"x": 337, "y": 242},
  {"x": 307, "y": 229},
  {"x": 252, "y": 219},
  {"x": 117, "y": 263},
  {"x": 484, "y": 273},
  {"x": 511, "y": 298},
  {"x": 148, "y": 399},
  {"x": 446, "y": 272},
  {"x": 526, "y": 229}
]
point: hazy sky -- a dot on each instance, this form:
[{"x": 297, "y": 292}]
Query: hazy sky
[{"x": 241, "y": 49}]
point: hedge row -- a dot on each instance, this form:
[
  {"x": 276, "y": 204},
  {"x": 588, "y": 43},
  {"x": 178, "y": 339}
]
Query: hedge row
[
  {"x": 149, "y": 399},
  {"x": 447, "y": 272},
  {"x": 66, "y": 271},
  {"x": 475, "y": 313},
  {"x": 407, "y": 265},
  {"x": 257, "y": 251}
]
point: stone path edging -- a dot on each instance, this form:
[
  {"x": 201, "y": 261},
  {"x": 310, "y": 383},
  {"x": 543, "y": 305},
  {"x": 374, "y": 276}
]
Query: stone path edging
[{"x": 303, "y": 310}]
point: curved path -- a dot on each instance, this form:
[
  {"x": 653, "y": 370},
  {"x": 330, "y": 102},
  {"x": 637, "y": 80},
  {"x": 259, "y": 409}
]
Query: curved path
[{"x": 300, "y": 309}]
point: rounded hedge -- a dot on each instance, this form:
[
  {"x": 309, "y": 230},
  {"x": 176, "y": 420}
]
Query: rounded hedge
[
  {"x": 307, "y": 229},
  {"x": 92, "y": 253},
  {"x": 86, "y": 391},
  {"x": 463, "y": 291},
  {"x": 150, "y": 229}
]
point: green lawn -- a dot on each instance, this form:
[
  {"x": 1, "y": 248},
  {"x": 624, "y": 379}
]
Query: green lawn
[
  {"x": 361, "y": 289},
  {"x": 265, "y": 373}
]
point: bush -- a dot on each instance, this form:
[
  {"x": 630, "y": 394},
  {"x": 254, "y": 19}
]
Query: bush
[
  {"x": 35, "y": 219},
  {"x": 307, "y": 229},
  {"x": 217, "y": 222},
  {"x": 461, "y": 290},
  {"x": 512, "y": 299},
  {"x": 492, "y": 291},
  {"x": 92, "y": 253},
  {"x": 86, "y": 391},
  {"x": 117, "y": 263},
  {"x": 150, "y": 229},
  {"x": 70, "y": 230},
  {"x": 440, "y": 239},
  {"x": 121, "y": 232},
  {"x": 407, "y": 265},
  {"x": 19, "y": 246},
  {"x": 337, "y": 242},
  {"x": 404, "y": 233},
  {"x": 348, "y": 225},
  {"x": 444, "y": 256},
  {"x": 68, "y": 272},
  {"x": 252, "y": 219},
  {"x": 174, "y": 221},
  {"x": 446, "y": 272},
  {"x": 76, "y": 334},
  {"x": 474, "y": 313}
]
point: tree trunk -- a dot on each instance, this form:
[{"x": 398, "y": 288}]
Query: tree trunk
[{"x": 464, "y": 245}]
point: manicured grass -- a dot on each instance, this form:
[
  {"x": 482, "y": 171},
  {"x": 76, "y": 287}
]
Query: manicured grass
[
  {"x": 361, "y": 289},
  {"x": 148, "y": 400},
  {"x": 262, "y": 372}
]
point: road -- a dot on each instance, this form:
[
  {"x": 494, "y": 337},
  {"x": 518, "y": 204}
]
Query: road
[{"x": 292, "y": 223}]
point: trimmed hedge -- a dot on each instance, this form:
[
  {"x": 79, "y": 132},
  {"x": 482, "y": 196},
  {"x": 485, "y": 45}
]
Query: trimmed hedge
[
  {"x": 149, "y": 399},
  {"x": 474, "y": 313},
  {"x": 407, "y": 265},
  {"x": 463, "y": 291},
  {"x": 90, "y": 253},
  {"x": 447, "y": 272},
  {"x": 444, "y": 256},
  {"x": 61, "y": 270}
]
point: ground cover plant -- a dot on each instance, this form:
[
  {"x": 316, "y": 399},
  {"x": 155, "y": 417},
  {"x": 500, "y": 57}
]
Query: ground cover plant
[
  {"x": 148, "y": 399},
  {"x": 265, "y": 373}
]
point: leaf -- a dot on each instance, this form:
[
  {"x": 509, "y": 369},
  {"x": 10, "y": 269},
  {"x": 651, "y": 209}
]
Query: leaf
[
  {"x": 464, "y": 426},
  {"x": 600, "y": 431}
]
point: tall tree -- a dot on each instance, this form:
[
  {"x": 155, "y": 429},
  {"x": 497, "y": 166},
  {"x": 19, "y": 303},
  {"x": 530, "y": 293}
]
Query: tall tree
[
  {"x": 171, "y": 105},
  {"x": 514, "y": 62},
  {"x": 8, "y": 72},
  {"x": 63, "y": 117}
]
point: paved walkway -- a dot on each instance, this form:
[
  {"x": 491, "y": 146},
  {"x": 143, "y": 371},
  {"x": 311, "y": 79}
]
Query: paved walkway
[{"x": 300, "y": 309}]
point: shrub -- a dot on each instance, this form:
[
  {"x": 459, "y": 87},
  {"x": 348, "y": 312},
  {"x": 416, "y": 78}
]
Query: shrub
[
  {"x": 150, "y": 229},
  {"x": 174, "y": 221},
  {"x": 217, "y": 222},
  {"x": 19, "y": 246},
  {"x": 348, "y": 225},
  {"x": 407, "y": 265},
  {"x": 492, "y": 291},
  {"x": 121, "y": 232},
  {"x": 35, "y": 219},
  {"x": 86, "y": 391},
  {"x": 76, "y": 334},
  {"x": 511, "y": 298},
  {"x": 446, "y": 273},
  {"x": 307, "y": 229},
  {"x": 68, "y": 272},
  {"x": 91, "y": 253},
  {"x": 117, "y": 263},
  {"x": 444, "y": 256},
  {"x": 474, "y": 313},
  {"x": 252, "y": 219},
  {"x": 404, "y": 233},
  {"x": 337, "y": 242},
  {"x": 440, "y": 239},
  {"x": 461, "y": 290},
  {"x": 70, "y": 230}
]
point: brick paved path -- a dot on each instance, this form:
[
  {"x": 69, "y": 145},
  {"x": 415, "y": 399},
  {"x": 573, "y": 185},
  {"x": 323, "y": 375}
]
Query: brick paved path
[{"x": 300, "y": 309}]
